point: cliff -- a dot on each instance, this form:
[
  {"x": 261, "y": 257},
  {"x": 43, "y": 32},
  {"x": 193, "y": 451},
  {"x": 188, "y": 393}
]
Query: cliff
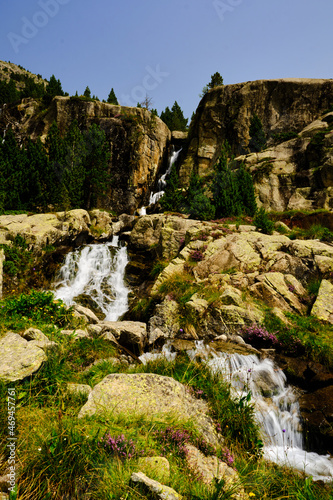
[{"x": 224, "y": 113}]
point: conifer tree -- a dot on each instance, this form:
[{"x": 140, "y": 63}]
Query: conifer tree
[
  {"x": 172, "y": 200},
  {"x": 246, "y": 191},
  {"x": 215, "y": 81},
  {"x": 74, "y": 173},
  {"x": 257, "y": 135},
  {"x": 197, "y": 204},
  {"x": 97, "y": 175},
  {"x": 87, "y": 93},
  {"x": 224, "y": 187},
  {"x": 112, "y": 99},
  {"x": 174, "y": 118}
]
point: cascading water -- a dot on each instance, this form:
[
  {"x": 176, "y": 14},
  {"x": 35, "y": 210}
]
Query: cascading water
[
  {"x": 276, "y": 406},
  {"x": 96, "y": 271},
  {"x": 161, "y": 184}
]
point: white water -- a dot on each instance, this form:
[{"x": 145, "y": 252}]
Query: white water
[
  {"x": 275, "y": 404},
  {"x": 162, "y": 182},
  {"x": 276, "y": 408},
  {"x": 98, "y": 271},
  {"x": 155, "y": 355}
]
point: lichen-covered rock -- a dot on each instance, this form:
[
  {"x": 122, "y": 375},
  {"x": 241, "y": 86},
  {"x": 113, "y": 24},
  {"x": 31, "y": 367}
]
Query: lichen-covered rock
[
  {"x": 166, "y": 318},
  {"x": 77, "y": 334},
  {"x": 210, "y": 469},
  {"x": 323, "y": 306},
  {"x": 86, "y": 314},
  {"x": 150, "y": 395},
  {"x": 158, "y": 490},
  {"x": 37, "y": 338},
  {"x": 127, "y": 333},
  {"x": 157, "y": 467},
  {"x": 84, "y": 389},
  {"x": 18, "y": 357}
]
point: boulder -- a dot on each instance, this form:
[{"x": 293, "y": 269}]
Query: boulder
[
  {"x": 127, "y": 333},
  {"x": 36, "y": 337},
  {"x": 150, "y": 395},
  {"x": 19, "y": 358},
  {"x": 158, "y": 490},
  {"x": 323, "y": 306},
  {"x": 77, "y": 334},
  {"x": 79, "y": 389},
  {"x": 157, "y": 467},
  {"x": 86, "y": 314},
  {"x": 166, "y": 318},
  {"x": 101, "y": 224}
]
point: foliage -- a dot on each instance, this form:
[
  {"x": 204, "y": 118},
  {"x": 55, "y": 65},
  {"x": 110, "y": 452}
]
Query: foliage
[
  {"x": 215, "y": 81},
  {"x": 226, "y": 198},
  {"x": 246, "y": 191},
  {"x": 38, "y": 306},
  {"x": 87, "y": 93},
  {"x": 259, "y": 337},
  {"x": 18, "y": 257},
  {"x": 263, "y": 222},
  {"x": 119, "y": 446},
  {"x": 283, "y": 137},
  {"x": 112, "y": 99},
  {"x": 67, "y": 172},
  {"x": 172, "y": 200},
  {"x": 196, "y": 203},
  {"x": 174, "y": 118},
  {"x": 257, "y": 135}
]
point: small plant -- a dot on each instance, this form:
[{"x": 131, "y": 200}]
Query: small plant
[
  {"x": 198, "y": 255},
  {"x": 263, "y": 222},
  {"x": 119, "y": 446},
  {"x": 258, "y": 336}
]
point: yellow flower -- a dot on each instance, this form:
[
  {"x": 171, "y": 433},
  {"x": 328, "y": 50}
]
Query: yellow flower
[{"x": 251, "y": 494}]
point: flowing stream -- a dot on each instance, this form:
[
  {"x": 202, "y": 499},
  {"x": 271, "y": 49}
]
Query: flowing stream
[
  {"x": 275, "y": 403},
  {"x": 97, "y": 271}
]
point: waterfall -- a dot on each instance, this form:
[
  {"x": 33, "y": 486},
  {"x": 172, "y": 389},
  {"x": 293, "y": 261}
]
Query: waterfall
[
  {"x": 276, "y": 409},
  {"x": 96, "y": 271},
  {"x": 162, "y": 182}
]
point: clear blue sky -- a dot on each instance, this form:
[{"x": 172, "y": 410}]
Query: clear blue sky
[{"x": 166, "y": 48}]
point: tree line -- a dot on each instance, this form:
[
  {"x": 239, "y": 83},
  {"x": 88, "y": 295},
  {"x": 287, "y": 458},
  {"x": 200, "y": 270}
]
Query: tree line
[{"x": 64, "y": 172}]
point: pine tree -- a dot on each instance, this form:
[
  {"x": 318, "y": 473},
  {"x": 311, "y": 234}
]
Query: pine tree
[
  {"x": 246, "y": 191},
  {"x": 96, "y": 165},
  {"x": 172, "y": 200},
  {"x": 74, "y": 173},
  {"x": 224, "y": 187},
  {"x": 215, "y": 81},
  {"x": 112, "y": 99},
  {"x": 257, "y": 135},
  {"x": 53, "y": 89},
  {"x": 197, "y": 204},
  {"x": 87, "y": 93},
  {"x": 174, "y": 118},
  {"x": 55, "y": 165}
]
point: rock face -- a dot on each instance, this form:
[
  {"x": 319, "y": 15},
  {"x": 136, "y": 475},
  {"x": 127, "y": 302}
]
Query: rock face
[
  {"x": 224, "y": 113},
  {"x": 18, "y": 357},
  {"x": 139, "y": 141},
  {"x": 149, "y": 394}
]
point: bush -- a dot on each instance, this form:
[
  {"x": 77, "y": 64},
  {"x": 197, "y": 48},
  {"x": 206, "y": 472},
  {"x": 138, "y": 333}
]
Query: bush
[
  {"x": 263, "y": 222},
  {"x": 259, "y": 337}
]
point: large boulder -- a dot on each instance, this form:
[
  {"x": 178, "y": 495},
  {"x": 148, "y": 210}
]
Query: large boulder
[
  {"x": 127, "y": 333},
  {"x": 323, "y": 306},
  {"x": 150, "y": 395},
  {"x": 156, "y": 489},
  {"x": 19, "y": 358}
]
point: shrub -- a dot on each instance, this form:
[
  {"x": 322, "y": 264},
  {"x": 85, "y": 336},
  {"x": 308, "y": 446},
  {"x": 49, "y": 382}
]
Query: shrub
[
  {"x": 119, "y": 446},
  {"x": 258, "y": 336},
  {"x": 263, "y": 222}
]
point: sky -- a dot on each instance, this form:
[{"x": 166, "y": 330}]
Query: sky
[{"x": 166, "y": 49}]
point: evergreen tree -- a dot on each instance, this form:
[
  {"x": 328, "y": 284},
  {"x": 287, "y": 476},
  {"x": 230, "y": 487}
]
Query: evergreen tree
[
  {"x": 172, "y": 200},
  {"x": 74, "y": 173},
  {"x": 96, "y": 165},
  {"x": 257, "y": 135},
  {"x": 246, "y": 191},
  {"x": 224, "y": 187},
  {"x": 87, "y": 93},
  {"x": 215, "y": 81},
  {"x": 13, "y": 166},
  {"x": 174, "y": 118},
  {"x": 35, "y": 194},
  {"x": 197, "y": 204},
  {"x": 55, "y": 165},
  {"x": 53, "y": 89},
  {"x": 112, "y": 99}
]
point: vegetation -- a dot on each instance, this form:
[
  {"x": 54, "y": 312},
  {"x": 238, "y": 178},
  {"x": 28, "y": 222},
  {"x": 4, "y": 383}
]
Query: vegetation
[
  {"x": 66, "y": 172},
  {"x": 112, "y": 99},
  {"x": 263, "y": 222},
  {"x": 257, "y": 135},
  {"x": 215, "y": 81},
  {"x": 174, "y": 118}
]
